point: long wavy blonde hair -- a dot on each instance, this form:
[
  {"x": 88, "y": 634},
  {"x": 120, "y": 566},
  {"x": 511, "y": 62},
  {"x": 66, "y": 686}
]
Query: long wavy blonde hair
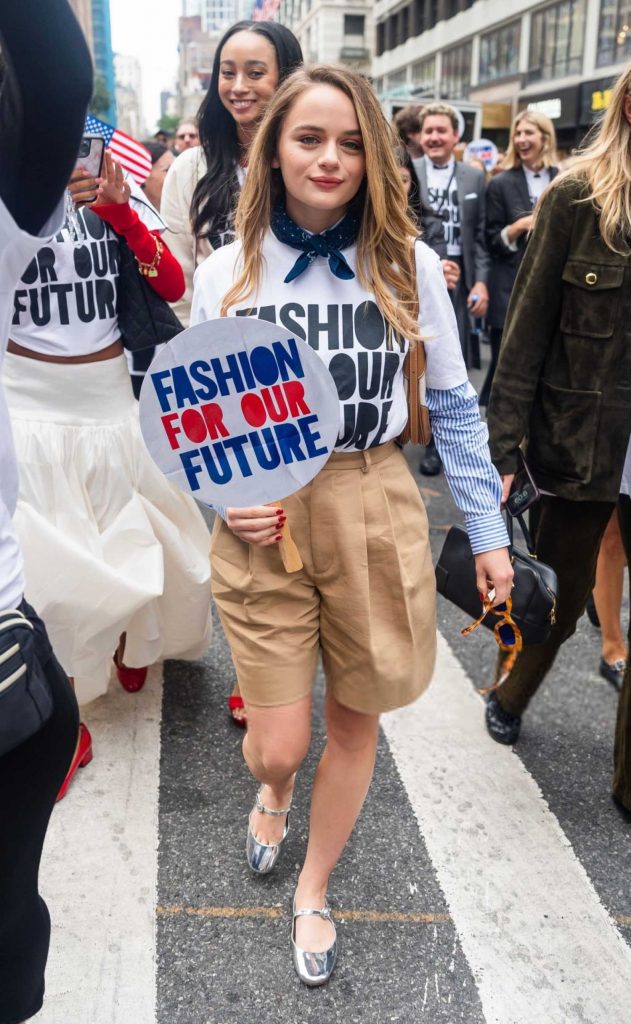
[
  {"x": 605, "y": 167},
  {"x": 545, "y": 126},
  {"x": 385, "y": 242}
]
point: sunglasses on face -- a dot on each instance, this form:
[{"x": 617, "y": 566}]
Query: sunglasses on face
[
  {"x": 187, "y": 135},
  {"x": 507, "y": 636}
]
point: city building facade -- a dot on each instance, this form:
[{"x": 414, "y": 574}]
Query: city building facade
[
  {"x": 104, "y": 55},
  {"x": 332, "y": 31},
  {"x": 218, "y": 15},
  {"x": 496, "y": 57},
  {"x": 129, "y": 95},
  {"x": 196, "y": 49}
]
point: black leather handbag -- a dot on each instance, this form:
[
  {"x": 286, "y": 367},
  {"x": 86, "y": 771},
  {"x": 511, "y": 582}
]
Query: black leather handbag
[
  {"x": 144, "y": 318},
  {"x": 535, "y": 584},
  {"x": 25, "y": 699}
]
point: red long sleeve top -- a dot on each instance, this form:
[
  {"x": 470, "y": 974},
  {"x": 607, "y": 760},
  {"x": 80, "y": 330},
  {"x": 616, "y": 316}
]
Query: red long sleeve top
[{"x": 169, "y": 282}]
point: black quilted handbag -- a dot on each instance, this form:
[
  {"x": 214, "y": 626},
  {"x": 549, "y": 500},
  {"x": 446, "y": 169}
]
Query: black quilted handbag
[
  {"x": 144, "y": 319},
  {"x": 25, "y": 699},
  {"x": 535, "y": 584}
]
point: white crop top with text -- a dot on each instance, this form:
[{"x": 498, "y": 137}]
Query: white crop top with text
[
  {"x": 341, "y": 321},
  {"x": 65, "y": 302}
]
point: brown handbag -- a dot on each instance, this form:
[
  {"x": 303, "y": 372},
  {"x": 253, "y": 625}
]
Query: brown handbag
[{"x": 418, "y": 429}]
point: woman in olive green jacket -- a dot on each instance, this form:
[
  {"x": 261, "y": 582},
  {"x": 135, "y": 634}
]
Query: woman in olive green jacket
[{"x": 563, "y": 391}]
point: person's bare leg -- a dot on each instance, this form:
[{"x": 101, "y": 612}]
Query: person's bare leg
[
  {"x": 274, "y": 747},
  {"x": 339, "y": 791},
  {"x": 608, "y": 592}
]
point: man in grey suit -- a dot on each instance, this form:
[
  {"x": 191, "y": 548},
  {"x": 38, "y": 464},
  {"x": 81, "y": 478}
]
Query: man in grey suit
[{"x": 456, "y": 193}]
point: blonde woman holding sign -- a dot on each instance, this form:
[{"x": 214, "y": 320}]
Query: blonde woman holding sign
[{"x": 325, "y": 248}]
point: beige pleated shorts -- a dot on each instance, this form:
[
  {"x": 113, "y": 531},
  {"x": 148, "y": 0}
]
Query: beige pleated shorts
[{"x": 365, "y": 597}]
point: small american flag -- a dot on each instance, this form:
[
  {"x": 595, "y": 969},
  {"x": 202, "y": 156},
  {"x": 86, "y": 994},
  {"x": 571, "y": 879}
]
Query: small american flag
[
  {"x": 131, "y": 155},
  {"x": 265, "y": 10}
]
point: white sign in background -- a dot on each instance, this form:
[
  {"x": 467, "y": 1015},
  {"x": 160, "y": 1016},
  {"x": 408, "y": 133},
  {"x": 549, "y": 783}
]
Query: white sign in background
[
  {"x": 239, "y": 412},
  {"x": 485, "y": 150}
]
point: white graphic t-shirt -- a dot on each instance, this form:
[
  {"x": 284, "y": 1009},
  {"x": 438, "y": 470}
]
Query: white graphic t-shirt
[
  {"x": 537, "y": 181},
  {"x": 16, "y": 249},
  {"x": 442, "y": 189},
  {"x": 341, "y": 321},
  {"x": 65, "y": 302}
]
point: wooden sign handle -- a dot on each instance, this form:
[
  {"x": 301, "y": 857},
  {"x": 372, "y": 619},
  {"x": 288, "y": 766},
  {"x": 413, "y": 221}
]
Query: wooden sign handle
[{"x": 288, "y": 550}]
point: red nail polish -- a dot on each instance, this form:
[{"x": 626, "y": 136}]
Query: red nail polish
[
  {"x": 278, "y": 537},
  {"x": 279, "y": 512},
  {"x": 282, "y": 519}
]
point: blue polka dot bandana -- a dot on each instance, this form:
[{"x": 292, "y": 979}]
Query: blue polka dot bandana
[{"x": 328, "y": 244}]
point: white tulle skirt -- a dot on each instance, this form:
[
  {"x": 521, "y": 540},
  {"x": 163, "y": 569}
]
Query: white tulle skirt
[{"x": 110, "y": 547}]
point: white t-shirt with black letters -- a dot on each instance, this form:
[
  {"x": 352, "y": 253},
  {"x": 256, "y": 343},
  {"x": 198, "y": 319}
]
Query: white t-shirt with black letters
[
  {"x": 341, "y": 321},
  {"x": 65, "y": 303},
  {"x": 442, "y": 191},
  {"x": 16, "y": 250}
]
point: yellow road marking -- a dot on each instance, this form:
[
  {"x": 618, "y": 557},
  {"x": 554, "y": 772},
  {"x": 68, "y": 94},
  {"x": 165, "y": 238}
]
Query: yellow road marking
[{"x": 370, "y": 916}]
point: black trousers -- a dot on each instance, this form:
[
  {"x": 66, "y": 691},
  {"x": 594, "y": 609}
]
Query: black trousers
[
  {"x": 30, "y": 778},
  {"x": 567, "y": 535}
]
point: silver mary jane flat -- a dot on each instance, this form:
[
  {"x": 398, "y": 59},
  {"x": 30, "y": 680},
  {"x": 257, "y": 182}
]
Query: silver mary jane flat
[
  {"x": 313, "y": 968},
  {"x": 262, "y": 857}
]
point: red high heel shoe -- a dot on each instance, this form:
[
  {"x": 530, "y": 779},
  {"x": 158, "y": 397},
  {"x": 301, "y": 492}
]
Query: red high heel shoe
[
  {"x": 235, "y": 703},
  {"x": 131, "y": 679},
  {"x": 82, "y": 756}
]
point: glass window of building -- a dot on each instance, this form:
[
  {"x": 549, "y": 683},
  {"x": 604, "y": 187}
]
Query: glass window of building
[
  {"x": 397, "y": 78},
  {"x": 404, "y": 24},
  {"x": 424, "y": 74},
  {"x": 614, "y": 37},
  {"x": 456, "y": 75},
  {"x": 499, "y": 52},
  {"x": 418, "y": 17},
  {"x": 556, "y": 40},
  {"x": 381, "y": 37},
  {"x": 353, "y": 24}
]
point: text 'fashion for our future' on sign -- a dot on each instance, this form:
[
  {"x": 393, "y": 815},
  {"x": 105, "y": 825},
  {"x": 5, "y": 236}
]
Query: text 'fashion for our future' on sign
[{"x": 239, "y": 412}]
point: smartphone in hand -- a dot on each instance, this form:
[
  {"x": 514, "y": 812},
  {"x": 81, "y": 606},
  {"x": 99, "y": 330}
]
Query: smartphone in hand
[
  {"x": 90, "y": 158},
  {"x": 524, "y": 492}
]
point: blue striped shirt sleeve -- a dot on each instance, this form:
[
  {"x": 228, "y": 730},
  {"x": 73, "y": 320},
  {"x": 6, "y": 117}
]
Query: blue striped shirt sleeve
[{"x": 462, "y": 442}]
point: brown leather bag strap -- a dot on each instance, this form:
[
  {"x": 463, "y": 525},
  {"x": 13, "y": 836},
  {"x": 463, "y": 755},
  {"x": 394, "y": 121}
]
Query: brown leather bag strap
[{"x": 418, "y": 428}]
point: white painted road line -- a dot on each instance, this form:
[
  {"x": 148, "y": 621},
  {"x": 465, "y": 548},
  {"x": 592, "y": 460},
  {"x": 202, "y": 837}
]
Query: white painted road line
[
  {"x": 541, "y": 946},
  {"x": 99, "y": 870}
]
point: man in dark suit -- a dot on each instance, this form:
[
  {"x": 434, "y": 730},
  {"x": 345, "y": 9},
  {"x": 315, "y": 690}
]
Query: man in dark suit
[{"x": 456, "y": 193}]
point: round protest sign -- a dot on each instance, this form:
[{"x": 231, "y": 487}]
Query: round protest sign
[
  {"x": 484, "y": 150},
  {"x": 239, "y": 412}
]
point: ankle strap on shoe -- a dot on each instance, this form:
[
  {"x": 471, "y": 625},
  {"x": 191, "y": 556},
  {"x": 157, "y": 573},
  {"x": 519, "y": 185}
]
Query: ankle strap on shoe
[
  {"x": 325, "y": 913},
  {"x": 270, "y": 810}
]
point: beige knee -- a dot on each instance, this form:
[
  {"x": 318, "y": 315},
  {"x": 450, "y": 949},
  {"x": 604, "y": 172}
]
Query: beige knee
[{"x": 275, "y": 758}]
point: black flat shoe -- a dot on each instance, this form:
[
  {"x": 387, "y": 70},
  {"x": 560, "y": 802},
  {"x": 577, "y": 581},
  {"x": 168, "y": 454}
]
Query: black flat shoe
[
  {"x": 592, "y": 614},
  {"x": 501, "y": 725},
  {"x": 431, "y": 463},
  {"x": 613, "y": 673}
]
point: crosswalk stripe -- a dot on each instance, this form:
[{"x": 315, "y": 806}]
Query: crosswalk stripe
[
  {"x": 538, "y": 940},
  {"x": 100, "y": 868}
]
